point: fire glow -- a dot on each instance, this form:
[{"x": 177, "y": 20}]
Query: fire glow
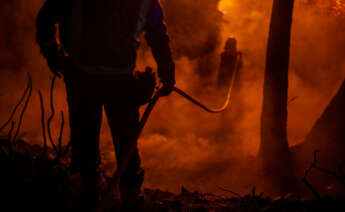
[
  {"x": 334, "y": 7},
  {"x": 201, "y": 150}
]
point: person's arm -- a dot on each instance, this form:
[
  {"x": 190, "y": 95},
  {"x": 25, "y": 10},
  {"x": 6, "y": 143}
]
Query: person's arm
[
  {"x": 156, "y": 37},
  {"x": 47, "y": 18}
]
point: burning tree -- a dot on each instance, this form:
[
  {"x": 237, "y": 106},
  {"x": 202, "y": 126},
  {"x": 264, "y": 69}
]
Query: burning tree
[{"x": 274, "y": 149}]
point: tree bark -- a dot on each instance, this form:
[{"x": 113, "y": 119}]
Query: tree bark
[{"x": 274, "y": 149}]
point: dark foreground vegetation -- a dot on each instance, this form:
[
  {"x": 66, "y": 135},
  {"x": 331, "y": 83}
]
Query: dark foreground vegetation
[{"x": 45, "y": 184}]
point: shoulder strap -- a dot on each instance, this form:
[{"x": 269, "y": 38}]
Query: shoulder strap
[
  {"x": 142, "y": 17},
  {"x": 75, "y": 27}
]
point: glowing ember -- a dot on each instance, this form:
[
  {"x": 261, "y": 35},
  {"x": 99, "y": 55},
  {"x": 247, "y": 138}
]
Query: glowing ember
[
  {"x": 329, "y": 187},
  {"x": 339, "y": 8},
  {"x": 225, "y": 5},
  {"x": 334, "y": 7}
]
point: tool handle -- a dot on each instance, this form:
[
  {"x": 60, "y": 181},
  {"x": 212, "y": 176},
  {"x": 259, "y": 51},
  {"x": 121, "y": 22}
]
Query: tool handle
[{"x": 133, "y": 143}]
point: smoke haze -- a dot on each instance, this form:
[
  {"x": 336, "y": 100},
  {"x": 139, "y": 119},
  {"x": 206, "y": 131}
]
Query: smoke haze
[{"x": 181, "y": 144}]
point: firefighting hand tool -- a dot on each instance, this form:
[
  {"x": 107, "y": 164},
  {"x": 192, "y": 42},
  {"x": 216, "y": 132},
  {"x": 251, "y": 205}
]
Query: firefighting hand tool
[
  {"x": 115, "y": 181},
  {"x": 203, "y": 106}
]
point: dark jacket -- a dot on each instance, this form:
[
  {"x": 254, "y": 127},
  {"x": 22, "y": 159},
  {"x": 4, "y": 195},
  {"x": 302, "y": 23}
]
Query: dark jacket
[{"x": 103, "y": 32}]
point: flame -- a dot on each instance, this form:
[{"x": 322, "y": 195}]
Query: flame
[{"x": 225, "y": 5}]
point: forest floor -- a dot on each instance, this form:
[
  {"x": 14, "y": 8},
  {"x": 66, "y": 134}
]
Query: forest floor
[{"x": 38, "y": 184}]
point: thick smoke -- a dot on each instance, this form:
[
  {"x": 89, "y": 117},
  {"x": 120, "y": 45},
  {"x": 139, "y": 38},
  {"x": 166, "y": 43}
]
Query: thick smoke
[
  {"x": 196, "y": 27},
  {"x": 181, "y": 144}
]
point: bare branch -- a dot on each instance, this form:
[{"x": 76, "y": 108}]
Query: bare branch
[
  {"x": 24, "y": 109},
  {"x": 291, "y": 100},
  {"x": 304, "y": 179},
  {"x": 61, "y": 132},
  {"x": 323, "y": 170},
  {"x": 330, "y": 173},
  {"x": 17, "y": 105},
  {"x": 43, "y": 125},
  {"x": 10, "y": 150},
  {"x": 9, "y": 135},
  {"x": 67, "y": 147},
  {"x": 227, "y": 190},
  {"x": 311, "y": 188},
  {"x": 52, "y": 114}
]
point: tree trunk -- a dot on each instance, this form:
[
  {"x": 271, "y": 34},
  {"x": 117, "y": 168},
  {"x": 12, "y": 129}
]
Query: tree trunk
[{"x": 274, "y": 150}]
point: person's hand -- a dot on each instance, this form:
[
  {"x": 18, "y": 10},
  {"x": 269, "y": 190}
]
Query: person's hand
[
  {"x": 166, "y": 74},
  {"x": 56, "y": 58}
]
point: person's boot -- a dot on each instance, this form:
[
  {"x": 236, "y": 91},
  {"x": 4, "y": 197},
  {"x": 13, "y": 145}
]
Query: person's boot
[
  {"x": 130, "y": 188},
  {"x": 90, "y": 191}
]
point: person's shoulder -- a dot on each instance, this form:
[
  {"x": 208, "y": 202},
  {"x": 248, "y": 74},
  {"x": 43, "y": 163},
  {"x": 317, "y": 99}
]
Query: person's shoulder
[
  {"x": 59, "y": 2},
  {"x": 56, "y": 7},
  {"x": 157, "y": 2},
  {"x": 54, "y": 1}
]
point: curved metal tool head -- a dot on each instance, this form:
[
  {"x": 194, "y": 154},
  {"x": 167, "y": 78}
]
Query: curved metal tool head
[{"x": 228, "y": 97}]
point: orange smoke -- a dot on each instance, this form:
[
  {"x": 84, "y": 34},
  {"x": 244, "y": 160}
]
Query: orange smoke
[{"x": 181, "y": 144}]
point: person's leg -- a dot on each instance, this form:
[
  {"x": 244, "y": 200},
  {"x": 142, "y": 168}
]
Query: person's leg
[
  {"x": 85, "y": 113},
  {"x": 123, "y": 122}
]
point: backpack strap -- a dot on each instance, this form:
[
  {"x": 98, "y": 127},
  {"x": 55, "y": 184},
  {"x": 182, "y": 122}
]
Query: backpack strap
[{"x": 142, "y": 18}]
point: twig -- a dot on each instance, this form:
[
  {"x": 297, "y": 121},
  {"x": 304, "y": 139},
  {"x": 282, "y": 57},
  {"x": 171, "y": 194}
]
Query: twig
[
  {"x": 63, "y": 152},
  {"x": 227, "y": 190},
  {"x": 323, "y": 170},
  {"x": 17, "y": 105},
  {"x": 312, "y": 189},
  {"x": 24, "y": 109},
  {"x": 331, "y": 173},
  {"x": 43, "y": 125},
  {"x": 292, "y": 99},
  {"x": 67, "y": 148},
  {"x": 341, "y": 169},
  {"x": 304, "y": 179},
  {"x": 9, "y": 135},
  {"x": 10, "y": 150},
  {"x": 326, "y": 171},
  {"x": 61, "y": 132},
  {"x": 52, "y": 114}
]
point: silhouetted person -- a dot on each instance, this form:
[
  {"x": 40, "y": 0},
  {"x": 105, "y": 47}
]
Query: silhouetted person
[
  {"x": 96, "y": 54},
  {"x": 231, "y": 59}
]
